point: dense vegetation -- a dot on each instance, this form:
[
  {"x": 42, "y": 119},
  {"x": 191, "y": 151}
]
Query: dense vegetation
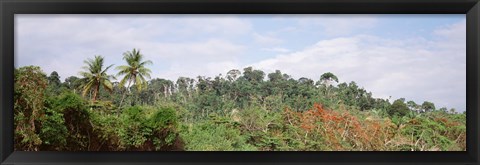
[{"x": 242, "y": 111}]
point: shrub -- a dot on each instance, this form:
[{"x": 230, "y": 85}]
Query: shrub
[
  {"x": 29, "y": 94},
  {"x": 164, "y": 124},
  {"x": 260, "y": 126},
  {"x": 106, "y": 127},
  {"x": 133, "y": 132},
  {"x": 53, "y": 130},
  {"x": 77, "y": 120},
  {"x": 210, "y": 136},
  {"x": 324, "y": 129},
  {"x": 433, "y": 134},
  {"x": 148, "y": 133}
]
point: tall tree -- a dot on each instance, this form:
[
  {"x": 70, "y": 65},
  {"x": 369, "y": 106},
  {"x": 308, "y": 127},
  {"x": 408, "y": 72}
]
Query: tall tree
[
  {"x": 233, "y": 74},
  {"x": 306, "y": 81},
  {"x": 95, "y": 76},
  {"x": 398, "y": 108},
  {"x": 253, "y": 76},
  {"x": 413, "y": 106},
  {"x": 54, "y": 84},
  {"x": 54, "y": 79},
  {"x": 184, "y": 85},
  {"x": 276, "y": 83},
  {"x": 135, "y": 71},
  {"x": 453, "y": 111},
  {"x": 160, "y": 86},
  {"x": 428, "y": 106},
  {"x": 327, "y": 79}
]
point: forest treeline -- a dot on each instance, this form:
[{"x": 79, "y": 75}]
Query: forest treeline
[{"x": 243, "y": 110}]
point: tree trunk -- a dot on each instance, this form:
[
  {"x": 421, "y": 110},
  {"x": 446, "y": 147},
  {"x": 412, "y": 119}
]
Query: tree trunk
[
  {"x": 165, "y": 90},
  {"x": 169, "y": 90},
  {"x": 97, "y": 88},
  {"x": 123, "y": 97}
]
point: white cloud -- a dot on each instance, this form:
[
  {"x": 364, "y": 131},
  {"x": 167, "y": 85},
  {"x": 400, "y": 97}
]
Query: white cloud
[
  {"x": 266, "y": 40},
  {"x": 338, "y": 25},
  {"x": 218, "y": 24},
  {"x": 416, "y": 69},
  {"x": 453, "y": 31},
  {"x": 277, "y": 49},
  {"x": 61, "y": 42}
]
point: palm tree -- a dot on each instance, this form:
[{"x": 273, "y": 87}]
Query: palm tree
[
  {"x": 95, "y": 76},
  {"x": 135, "y": 71}
]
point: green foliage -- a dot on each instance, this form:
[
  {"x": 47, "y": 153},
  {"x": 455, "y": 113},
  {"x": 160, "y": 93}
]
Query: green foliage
[
  {"x": 163, "y": 117},
  {"x": 106, "y": 128},
  {"x": 165, "y": 122},
  {"x": 69, "y": 101},
  {"x": 398, "y": 108},
  {"x": 428, "y": 134},
  {"x": 134, "y": 131},
  {"x": 29, "y": 93},
  {"x": 209, "y": 136},
  {"x": 77, "y": 120},
  {"x": 53, "y": 132},
  {"x": 237, "y": 112},
  {"x": 94, "y": 77},
  {"x": 149, "y": 132},
  {"x": 54, "y": 79},
  {"x": 55, "y": 87},
  {"x": 135, "y": 70},
  {"x": 257, "y": 119},
  {"x": 428, "y": 106},
  {"x": 328, "y": 77}
]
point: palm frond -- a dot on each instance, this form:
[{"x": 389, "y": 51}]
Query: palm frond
[
  {"x": 87, "y": 87},
  {"x": 124, "y": 80},
  {"x": 108, "y": 67},
  {"x": 108, "y": 85},
  {"x": 138, "y": 83},
  {"x": 148, "y": 62},
  {"x": 135, "y": 70},
  {"x": 94, "y": 75}
]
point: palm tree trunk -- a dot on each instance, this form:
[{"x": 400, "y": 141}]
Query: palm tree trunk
[
  {"x": 123, "y": 97},
  {"x": 97, "y": 88}
]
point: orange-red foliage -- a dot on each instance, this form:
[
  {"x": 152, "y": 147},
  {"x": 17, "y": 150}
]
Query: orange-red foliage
[{"x": 341, "y": 131}]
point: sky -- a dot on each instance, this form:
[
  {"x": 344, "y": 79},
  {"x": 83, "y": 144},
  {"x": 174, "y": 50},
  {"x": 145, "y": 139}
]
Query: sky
[{"x": 416, "y": 57}]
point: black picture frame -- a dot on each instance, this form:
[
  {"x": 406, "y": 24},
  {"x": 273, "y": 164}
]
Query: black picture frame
[{"x": 9, "y": 8}]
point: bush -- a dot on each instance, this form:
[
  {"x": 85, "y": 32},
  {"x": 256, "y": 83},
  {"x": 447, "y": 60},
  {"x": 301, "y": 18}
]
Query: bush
[
  {"x": 164, "y": 124},
  {"x": 133, "y": 132},
  {"x": 77, "y": 120},
  {"x": 147, "y": 133},
  {"x": 260, "y": 126},
  {"x": 53, "y": 131},
  {"x": 106, "y": 127},
  {"x": 434, "y": 133},
  {"x": 210, "y": 136}
]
